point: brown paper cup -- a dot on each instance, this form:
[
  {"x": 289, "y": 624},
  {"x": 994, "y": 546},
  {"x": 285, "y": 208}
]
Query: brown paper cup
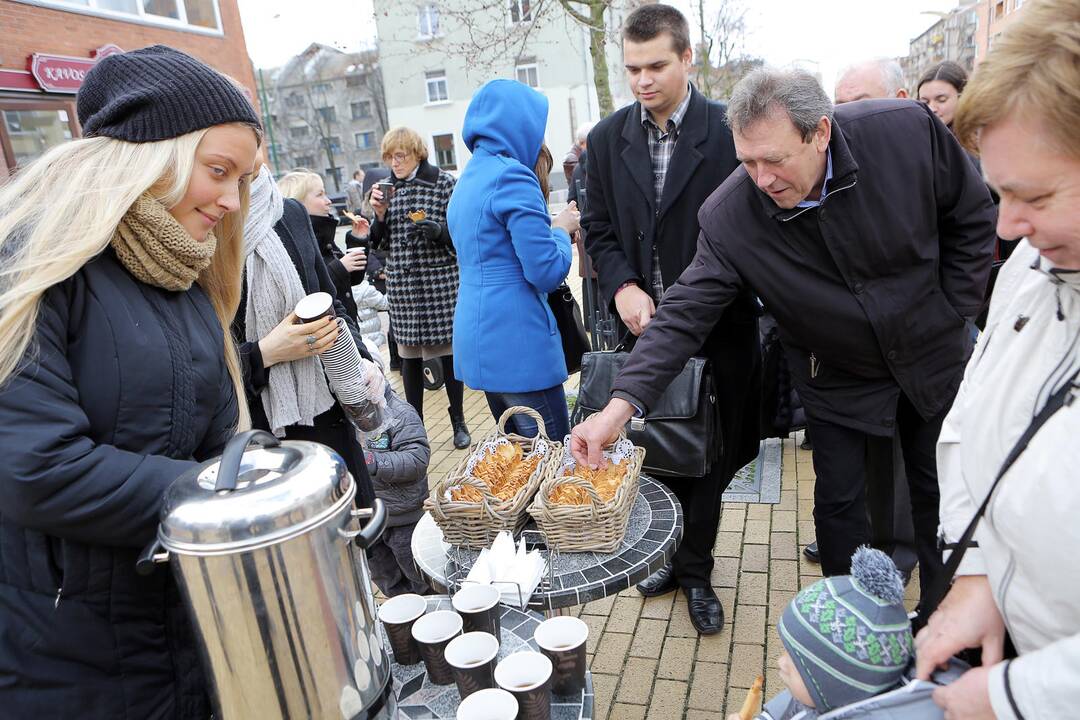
[
  {"x": 491, "y": 704},
  {"x": 527, "y": 675},
  {"x": 433, "y": 633},
  {"x": 472, "y": 660},
  {"x": 562, "y": 640},
  {"x": 479, "y": 608},
  {"x": 398, "y": 615}
]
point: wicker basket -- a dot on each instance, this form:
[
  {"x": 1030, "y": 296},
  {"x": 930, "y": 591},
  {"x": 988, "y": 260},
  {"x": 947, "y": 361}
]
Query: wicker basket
[
  {"x": 475, "y": 524},
  {"x": 599, "y": 526}
]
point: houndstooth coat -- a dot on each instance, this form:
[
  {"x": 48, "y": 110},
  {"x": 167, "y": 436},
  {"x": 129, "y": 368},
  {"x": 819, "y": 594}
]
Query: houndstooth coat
[{"x": 421, "y": 276}]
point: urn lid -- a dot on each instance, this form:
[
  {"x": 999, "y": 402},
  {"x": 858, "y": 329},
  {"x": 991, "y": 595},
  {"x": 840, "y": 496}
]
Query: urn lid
[{"x": 254, "y": 496}]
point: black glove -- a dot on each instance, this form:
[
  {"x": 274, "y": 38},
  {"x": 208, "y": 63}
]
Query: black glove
[{"x": 432, "y": 230}]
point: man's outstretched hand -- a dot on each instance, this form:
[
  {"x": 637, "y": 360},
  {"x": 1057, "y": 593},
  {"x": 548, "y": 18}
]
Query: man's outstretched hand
[{"x": 588, "y": 439}]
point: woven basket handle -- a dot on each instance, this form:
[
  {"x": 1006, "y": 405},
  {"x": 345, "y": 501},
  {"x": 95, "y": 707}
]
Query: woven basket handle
[
  {"x": 448, "y": 487},
  {"x": 522, "y": 410},
  {"x": 579, "y": 482}
]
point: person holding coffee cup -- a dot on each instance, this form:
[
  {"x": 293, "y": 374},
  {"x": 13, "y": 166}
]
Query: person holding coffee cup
[
  {"x": 421, "y": 270},
  {"x": 286, "y": 388},
  {"x": 117, "y": 375},
  {"x": 347, "y": 269}
]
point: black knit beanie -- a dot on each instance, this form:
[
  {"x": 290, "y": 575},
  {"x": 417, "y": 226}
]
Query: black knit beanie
[{"x": 157, "y": 93}]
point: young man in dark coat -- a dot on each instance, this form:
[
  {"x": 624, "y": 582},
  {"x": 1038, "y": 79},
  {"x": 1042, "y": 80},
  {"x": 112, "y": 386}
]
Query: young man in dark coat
[
  {"x": 868, "y": 234},
  {"x": 650, "y": 166}
]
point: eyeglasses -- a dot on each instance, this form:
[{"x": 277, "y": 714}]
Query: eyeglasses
[{"x": 397, "y": 157}]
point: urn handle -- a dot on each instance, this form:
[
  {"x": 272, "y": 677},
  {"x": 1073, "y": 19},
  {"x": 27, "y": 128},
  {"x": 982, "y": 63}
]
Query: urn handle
[
  {"x": 229, "y": 467},
  {"x": 373, "y": 529},
  {"x": 151, "y": 555}
]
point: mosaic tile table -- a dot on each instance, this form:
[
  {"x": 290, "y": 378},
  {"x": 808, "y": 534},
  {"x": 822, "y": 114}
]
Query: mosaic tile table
[
  {"x": 654, "y": 531},
  {"x": 419, "y": 698}
]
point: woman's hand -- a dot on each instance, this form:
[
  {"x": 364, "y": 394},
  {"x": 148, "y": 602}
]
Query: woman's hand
[
  {"x": 569, "y": 219},
  {"x": 360, "y": 226},
  {"x": 968, "y": 698},
  {"x": 378, "y": 203},
  {"x": 355, "y": 259},
  {"x": 289, "y": 341},
  {"x": 968, "y": 618}
]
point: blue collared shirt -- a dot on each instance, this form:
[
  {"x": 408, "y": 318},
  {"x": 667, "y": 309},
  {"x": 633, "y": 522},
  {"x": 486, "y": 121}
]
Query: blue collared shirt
[{"x": 824, "y": 184}]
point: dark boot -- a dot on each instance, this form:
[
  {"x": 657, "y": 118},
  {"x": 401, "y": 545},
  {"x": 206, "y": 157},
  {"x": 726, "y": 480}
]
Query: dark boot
[
  {"x": 706, "y": 613},
  {"x": 462, "y": 439}
]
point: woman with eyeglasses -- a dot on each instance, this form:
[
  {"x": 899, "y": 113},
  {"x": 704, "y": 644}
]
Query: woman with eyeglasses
[{"x": 421, "y": 268}]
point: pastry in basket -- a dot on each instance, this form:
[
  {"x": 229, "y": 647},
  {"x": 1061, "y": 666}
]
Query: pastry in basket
[
  {"x": 605, "y": 481},
  {"x": 505, "y": 471}
]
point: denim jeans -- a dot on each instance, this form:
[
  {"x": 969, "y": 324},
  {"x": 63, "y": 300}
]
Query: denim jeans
[{"x": 550, "y": 403}]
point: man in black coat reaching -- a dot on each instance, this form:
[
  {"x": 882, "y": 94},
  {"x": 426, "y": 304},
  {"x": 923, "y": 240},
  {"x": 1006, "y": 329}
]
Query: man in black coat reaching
[
  {"x": 868, "y": 234},
  {"x": 650, "y": 166}
]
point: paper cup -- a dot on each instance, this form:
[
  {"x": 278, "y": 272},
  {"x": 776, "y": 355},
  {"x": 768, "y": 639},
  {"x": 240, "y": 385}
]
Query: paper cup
[
  {"x": 472, "y": 660},
  {"x": 562, "y": 640},
  {"x": 478, "y": 606},
  {"x": 491, "y": 704},
  {"x": 314, "y": 306},
  {"x": 527, "y": 676},
  {"x": 432, "y": 633},
  {"x": 397, "y": 615}
]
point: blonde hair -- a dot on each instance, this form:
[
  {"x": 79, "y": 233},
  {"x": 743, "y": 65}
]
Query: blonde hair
[
  {"x": 89, "y": 185},
  {"x": 1033, "y": 69},
  {"x": 403, "y": 139},
  {"x": 299, "y": 184}
]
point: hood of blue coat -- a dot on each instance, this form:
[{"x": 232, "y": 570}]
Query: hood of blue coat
[{"x": 507, "y": 117}]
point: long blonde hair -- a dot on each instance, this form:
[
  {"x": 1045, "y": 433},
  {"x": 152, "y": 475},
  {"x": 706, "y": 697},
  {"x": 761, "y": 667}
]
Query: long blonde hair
[{"x": 61, "y": 211}]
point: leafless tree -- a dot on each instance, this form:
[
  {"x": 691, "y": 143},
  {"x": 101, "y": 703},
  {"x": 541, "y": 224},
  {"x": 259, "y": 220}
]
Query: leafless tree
[
  {"x": 590, "y": 13},
  {"x": 721, "y": 58}
]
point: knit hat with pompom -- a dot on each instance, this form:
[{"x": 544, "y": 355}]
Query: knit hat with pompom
[{"x": 849, "y": 636}]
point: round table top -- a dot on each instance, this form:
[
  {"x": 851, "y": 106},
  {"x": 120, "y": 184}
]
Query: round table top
[
  {"x": 418, "y": 698},
  {"x": 652, "y": 535}
]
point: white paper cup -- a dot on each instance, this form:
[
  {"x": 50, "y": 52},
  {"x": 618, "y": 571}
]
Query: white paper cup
[
  {"x": 314, "y": 306},
  {"x": 491, "y": 704},
  {"x": 479, "y": 608}
]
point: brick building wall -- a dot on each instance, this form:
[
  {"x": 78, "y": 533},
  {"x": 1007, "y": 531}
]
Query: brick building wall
[{"x": 27, "y": 29}]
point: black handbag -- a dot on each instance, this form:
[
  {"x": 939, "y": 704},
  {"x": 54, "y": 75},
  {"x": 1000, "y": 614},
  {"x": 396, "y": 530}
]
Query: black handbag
[
  {"x": 680, "y": 433},
  {"x": 575, "y": 341}
]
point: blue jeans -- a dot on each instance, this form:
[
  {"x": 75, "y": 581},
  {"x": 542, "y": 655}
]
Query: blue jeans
[{"x": 550, "y": 403}]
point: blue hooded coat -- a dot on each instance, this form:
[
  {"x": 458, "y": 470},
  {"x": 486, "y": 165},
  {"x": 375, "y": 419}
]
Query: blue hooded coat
[{"x": 510, "y": 258}]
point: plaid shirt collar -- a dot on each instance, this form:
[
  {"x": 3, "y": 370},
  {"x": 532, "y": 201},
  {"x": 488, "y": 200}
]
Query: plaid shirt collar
[{"x": 674, "y": 122}]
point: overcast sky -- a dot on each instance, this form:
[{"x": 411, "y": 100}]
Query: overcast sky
[{"x": 830, "y": 33}]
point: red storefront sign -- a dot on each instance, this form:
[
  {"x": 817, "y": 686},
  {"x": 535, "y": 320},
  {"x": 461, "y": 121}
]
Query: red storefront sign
[{"x": 63, "y": 73}]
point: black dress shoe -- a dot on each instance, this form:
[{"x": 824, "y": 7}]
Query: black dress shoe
[
  {"x": 706, "y": 612},
  {"x": 811, "y": 552},
  {"x": 660, "y": 582}
]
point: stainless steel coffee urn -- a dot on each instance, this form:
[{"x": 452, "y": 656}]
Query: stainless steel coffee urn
[{"x": 269, "y": 553}]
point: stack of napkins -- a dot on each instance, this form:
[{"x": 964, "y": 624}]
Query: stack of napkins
[{"x": 508, "y": 569}]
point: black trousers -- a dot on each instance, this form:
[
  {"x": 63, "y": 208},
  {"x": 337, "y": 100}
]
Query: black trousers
[
  {"x": 840, "y": 462},
  {"x": 700, "y": 500}
]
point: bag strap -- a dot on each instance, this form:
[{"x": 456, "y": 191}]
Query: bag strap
[{"x": 1062, "y": 397}]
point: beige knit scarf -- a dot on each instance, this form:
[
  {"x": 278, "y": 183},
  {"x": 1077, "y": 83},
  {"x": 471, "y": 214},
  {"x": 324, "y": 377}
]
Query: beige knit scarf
[{"x": 156, "y": 249}]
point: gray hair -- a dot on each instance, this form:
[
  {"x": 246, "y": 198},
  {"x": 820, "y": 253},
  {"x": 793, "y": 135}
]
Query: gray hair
[
  {"x": 583, "y": 131},
  {"x": 764, "y": 90},
  {"x": 892, "y": 75}
]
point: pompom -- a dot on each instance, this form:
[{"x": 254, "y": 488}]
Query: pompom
[{"x": 876, "y": 573}]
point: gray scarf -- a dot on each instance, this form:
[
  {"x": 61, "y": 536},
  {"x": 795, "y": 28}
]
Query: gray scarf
[{"x": 296, "y": 391}]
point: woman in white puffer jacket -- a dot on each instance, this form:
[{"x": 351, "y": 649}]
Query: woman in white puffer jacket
[{"x": 1023, "y": 574}]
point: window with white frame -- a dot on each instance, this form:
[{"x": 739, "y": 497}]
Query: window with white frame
[
  {"x": 365, "y": 140},
  {"x": 526, "y": 72},
  {"x": 196, "y": 14},
  {"x": 299, "y": 131},
  {"x": 520, "y": 11},
  {"x": 360, "y": 109},
  {"x": 428, "y": 21},
  {"x": 436, "y": 86},
  {"x": 444, "y": 151},
  {"x": 304, "y": 161},
  {"x": 328, "y": 114}
]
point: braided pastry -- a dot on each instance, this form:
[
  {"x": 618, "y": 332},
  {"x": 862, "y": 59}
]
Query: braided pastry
[
  {"x": 504, "y": 471},
  {"x": 605, "y": 480}
]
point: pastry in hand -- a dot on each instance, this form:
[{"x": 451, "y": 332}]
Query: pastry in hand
[{"x": 417, "y": 215}]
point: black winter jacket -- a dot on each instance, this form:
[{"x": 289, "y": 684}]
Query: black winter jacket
[
  {"x": 325, "y": 228},
  {"x": 623, "y": 222},
  {"x": 124, "y": 389},
  {"x": 875, "y": 283},
  {"x": 331, "y": 428}
]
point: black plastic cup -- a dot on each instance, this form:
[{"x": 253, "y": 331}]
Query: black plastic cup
[
  {"x": 562, "y": 640},
  {"x": 479, "y": 608},
  {"x": 397, "y": 615},
  {"x": 432, "y": 634},
  {"x": 527, "y": 676},
  {"x": 472, "y": 660}
]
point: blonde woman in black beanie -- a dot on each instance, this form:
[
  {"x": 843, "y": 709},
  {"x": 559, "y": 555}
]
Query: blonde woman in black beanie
[{"x": 120, "y": 273}]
